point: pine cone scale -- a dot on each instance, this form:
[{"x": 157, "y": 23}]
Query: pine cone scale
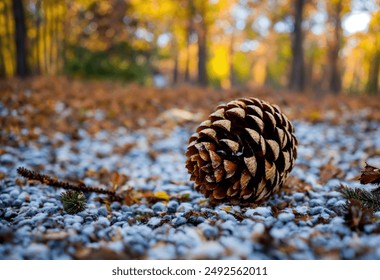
[
  {"x": 224, "y": 124},
  {"x": 251, "y": 164},
  {"x": 232, "y": 145},
  {"x": 255, "y": 123}
]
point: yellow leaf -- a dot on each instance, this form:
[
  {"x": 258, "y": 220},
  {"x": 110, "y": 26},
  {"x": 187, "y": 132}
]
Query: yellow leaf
[
  {"x": 226, "y": 208},
  {"x": 161, "y": 196},
  {"x": 315, "y": 116}
]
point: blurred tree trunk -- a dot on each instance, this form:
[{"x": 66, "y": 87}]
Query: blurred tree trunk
[
  {"x": 66, "y": 26},
  {"x": 10, "y": 42},
  {"x": 22, "y": 69},
  {"x": 187, "y": 63},
  {"x": 297, "y": 72},
  {"x": 2, "y": 62},
  {"x": 201, "y": 29},
  {"x": 175, "y": 67},
  {"x": 44, "y": 36},
  {"x": 189, "y": 32},
  {"x": 373, "y": 75},
  {"x": 335, "y": 45},
  {"x": 51, "y": 36},
  {"x": 231, "y": 60},
  {"x": 202, "y": 57},
  {"x": 38, "y": 36},
  {"x": 57, "y": 42}
]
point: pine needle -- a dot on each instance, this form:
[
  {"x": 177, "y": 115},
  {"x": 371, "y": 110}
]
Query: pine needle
[
  {"x": 369, "y": 199},
  {"x": 73, "y": 202}
]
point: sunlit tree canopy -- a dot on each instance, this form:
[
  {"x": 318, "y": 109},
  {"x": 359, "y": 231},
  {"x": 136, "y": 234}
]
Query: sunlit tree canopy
[{"x": 300, "y": 44}]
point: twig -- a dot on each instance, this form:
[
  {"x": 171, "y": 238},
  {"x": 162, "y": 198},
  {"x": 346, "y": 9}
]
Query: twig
[{"x": 45, "y": 179}]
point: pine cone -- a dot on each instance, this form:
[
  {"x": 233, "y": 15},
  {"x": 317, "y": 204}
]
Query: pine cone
[{"x": 242, "y": 153}]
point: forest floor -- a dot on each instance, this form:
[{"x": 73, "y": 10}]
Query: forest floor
[{"x": 134, "y": 139}]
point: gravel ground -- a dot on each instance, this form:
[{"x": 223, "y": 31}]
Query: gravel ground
[{"x": 305, "y": 221}]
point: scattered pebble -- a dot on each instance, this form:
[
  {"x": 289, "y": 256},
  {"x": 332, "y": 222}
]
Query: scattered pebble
[
  {"x": 179, "y": 221},
  {"x": 102, "y": 211},
  {"x": 302, "y": 210},
  {"x": 184, "y": 207},
  {"x": 159, "y": 207},
  {"x": 261, "y": 211},
  {"x": 279, "y": 233},
  {"x": 316, "y": 210},
  {"x": 286, "y": 217},
  {"x": 154, "y": 221},
  {"x": 172, "y": 206}
]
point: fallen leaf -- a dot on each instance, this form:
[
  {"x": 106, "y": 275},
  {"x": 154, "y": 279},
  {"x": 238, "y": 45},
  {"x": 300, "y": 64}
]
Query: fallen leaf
[
  {"x": 162, "y": 196},
  {"x": 370, "y": 175}
]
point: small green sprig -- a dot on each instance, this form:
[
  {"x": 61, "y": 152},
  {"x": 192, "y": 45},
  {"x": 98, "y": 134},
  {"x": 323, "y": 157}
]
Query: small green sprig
[
  {"x": 357, "y": 215},
  {"x": 369, "y": 199},
  {"x": 73, "y": 201},
  {"x": 362, "y": 203}
]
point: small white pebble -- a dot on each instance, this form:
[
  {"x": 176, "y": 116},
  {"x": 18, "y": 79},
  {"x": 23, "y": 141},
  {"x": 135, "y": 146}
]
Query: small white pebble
[
  {"x": 210, "y": 250},
  {"x": 184, "y": 207},
  {"x": 258, "y": 228},
  {"x": 262, "y": 211},
  {"x": 117, "y": 246},
  {"x": 279, "y": 233},
  {"x": 154, "y": 221},
  {"x": 302, "y": 210},
  {"x": 298, "y": 196},
  {"x": 103, "y": 221},
  {"x": 286, "y": 217}
]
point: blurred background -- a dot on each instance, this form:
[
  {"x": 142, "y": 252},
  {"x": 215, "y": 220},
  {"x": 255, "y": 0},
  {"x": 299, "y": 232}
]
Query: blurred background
[{"x": 299, "y": 45}]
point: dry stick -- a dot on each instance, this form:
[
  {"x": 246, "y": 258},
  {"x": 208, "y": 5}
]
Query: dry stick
[{"x": 45, "y": 179}]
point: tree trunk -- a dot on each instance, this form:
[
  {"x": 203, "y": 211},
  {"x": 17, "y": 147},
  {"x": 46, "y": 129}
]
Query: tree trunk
[
  {"x": 38, "y": 36},
  {"x": 335, "y": 82},
  {"x": 2, "y": 61},
  {"x": 2, "y": 47},
  {"x": 231, "y": 60},
  {"x": 45, "y": 4},
  {"x": 58, "y": 40},
  {"x": 189, "y": 32},
  {"x": 175, "y": 67},
  {"x": 202, "y": 45},
  {"x": 297, "y": 72},
  {"x": 22, "y": 69},
  {"x": 9, "y": 53},
  {"x": 175, "y": 70},
  {"x": 202, "y": 57},
  {"x": 373, "y": 75},
  {"x": 187, "y": 63},
  {"x": 51, "y": 35},
  {"x": 66, "y": 26}
]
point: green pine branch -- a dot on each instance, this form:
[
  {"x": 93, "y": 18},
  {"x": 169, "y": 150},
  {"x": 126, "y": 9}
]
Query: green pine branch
[
  {"x": 376, "y": 192},
  {"x": 369, "y": 199}
]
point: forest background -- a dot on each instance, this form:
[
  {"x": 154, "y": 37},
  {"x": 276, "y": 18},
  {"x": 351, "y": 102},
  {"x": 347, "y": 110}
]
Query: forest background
[{"x": 300, "y": 45}]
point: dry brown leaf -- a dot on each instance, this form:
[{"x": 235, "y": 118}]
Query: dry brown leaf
[
  {"x": 370, "y": 175},
  {"x": 330, "y": 171}
]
